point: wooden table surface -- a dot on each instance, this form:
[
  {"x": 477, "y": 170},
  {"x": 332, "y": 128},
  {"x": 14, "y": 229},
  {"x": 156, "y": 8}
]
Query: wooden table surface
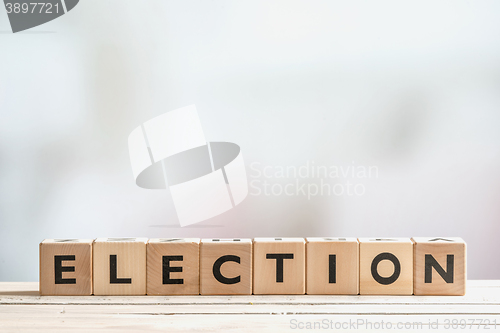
[{"x": 22, "y": 309}]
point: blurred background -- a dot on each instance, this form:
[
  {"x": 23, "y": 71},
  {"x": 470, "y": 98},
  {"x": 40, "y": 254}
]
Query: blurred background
[{"x": 412, "y": 88}]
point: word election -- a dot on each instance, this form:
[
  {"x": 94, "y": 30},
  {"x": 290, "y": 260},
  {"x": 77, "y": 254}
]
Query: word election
[{"x": 262, "y": 266}]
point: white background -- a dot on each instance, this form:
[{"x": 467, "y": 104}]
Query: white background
[{"x": 412, "y": 88}]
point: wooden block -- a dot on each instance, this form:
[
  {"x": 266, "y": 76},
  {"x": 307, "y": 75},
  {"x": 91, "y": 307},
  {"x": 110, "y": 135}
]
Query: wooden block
[
  {"x": 279, "y": 266},
  {"x": 385, "y": 266},
  {"x": 226, "y": 267},
  {"x": 66, "y": 267},
  {"x": 332, "y": 266},
  {"x": 439, "y": 266},
  {"x": 173, "y": 266},
  {"x": 120, "y": 266}
]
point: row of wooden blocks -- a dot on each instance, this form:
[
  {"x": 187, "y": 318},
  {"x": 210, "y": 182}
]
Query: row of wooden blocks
[{"x": 321, "y": 266}]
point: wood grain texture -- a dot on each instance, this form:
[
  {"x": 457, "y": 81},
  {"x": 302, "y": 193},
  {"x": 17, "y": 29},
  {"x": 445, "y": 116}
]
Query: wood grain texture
[
  {"x": 440, "y": 248},
  {"x": 402, "y": 249},
  {"x": 318, "y": 251},
  {"x": 23, "y": 310},
  {"x": 81, "y": 249},
  {"x": 265, "y": 271},
  {"x": 189, "y": 249},
  {"x": 213, "y": 249},
  {"x": 130, "y": 264}
]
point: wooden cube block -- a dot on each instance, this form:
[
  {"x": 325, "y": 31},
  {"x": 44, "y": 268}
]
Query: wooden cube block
[
  {"x": 332, "y": 266},
  {"x": 439, "y": 266},
  {"x": 385, "y": 266},
  {"x": 66, "y": 267},
  {"x": 120, "y": 266},
  {"x": 173, "y": 266},
  {"x": 226, "y": 267},
  {"x": 279, "y": 266}
]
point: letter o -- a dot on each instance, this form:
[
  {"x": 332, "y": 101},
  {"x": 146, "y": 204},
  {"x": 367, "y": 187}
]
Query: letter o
[{"x": 397, "y": 268}]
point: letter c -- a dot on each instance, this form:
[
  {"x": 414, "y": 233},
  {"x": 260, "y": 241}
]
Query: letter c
[{"x": 218, "y": 275}]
